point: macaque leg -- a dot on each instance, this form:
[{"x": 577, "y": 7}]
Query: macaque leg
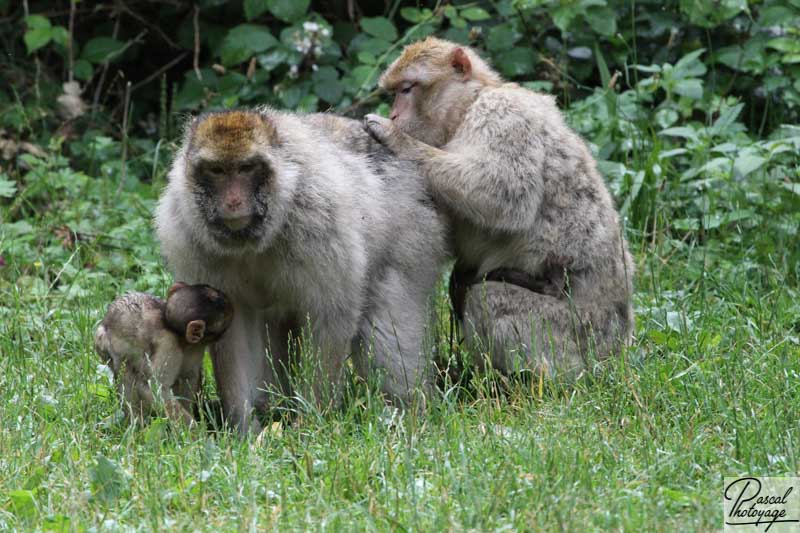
[
  {"x": 518, "y": 329},
  {"x": 392, "y": 339},
  {"x": 241, "y": 369}
]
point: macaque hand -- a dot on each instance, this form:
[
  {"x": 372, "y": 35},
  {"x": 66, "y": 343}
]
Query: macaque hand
[{"x": 380, "y": 128}]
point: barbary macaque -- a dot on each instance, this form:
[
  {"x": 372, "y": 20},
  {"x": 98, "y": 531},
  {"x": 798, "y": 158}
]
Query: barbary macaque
[
  {"x": 543, "y": 278},
  {"x": 155, "y": 348},
  {"x": 307, "y": 224}
]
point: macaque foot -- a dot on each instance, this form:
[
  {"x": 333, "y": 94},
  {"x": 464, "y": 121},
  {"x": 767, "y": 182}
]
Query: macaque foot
[{"x": 379, "y": 127}]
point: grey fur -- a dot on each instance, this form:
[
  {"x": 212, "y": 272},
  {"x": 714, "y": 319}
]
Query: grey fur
[
  {"x": 524, "y": 193},
  {"x": 351, "y": 246},
  {"x": 144, "y": 355}
]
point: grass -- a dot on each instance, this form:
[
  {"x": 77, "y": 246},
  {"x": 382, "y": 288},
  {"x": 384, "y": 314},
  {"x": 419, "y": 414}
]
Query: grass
[{"x": 710, "y": 389}]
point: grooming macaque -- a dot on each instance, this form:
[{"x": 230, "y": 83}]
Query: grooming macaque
[
  {"x": 306, "y": 223},
  {"x": 543, "y": 274},
  {"x": 155, "y": 348}
]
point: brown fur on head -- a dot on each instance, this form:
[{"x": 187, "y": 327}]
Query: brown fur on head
[
  {"x": 431, "y": 60},
  {"x": 198, "y": 313},
  {"x": 231, "y": 134}
]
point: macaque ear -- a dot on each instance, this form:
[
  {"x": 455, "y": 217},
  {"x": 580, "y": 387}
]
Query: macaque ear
[
  {"x": 175, "y": 286},
  {"x": 195, "y": 331},
  {"x": 461, "y": 63}
]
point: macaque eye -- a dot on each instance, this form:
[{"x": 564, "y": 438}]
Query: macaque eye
[
  {"x": 247, "y": 168},
  {"x": 217, "y": 170},
  {"x": 407, "y": 88}
]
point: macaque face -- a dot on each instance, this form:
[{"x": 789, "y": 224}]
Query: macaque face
[
  {"x": 411, "y": 112},
  {"x": 232, "y": 195},
  {"x": 198, "y": 313}
]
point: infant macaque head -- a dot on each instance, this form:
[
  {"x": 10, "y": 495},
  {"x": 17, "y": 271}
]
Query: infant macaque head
[{"x": 198, "y": 313}]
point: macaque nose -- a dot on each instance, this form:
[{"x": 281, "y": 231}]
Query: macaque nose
[{"x": 233, "y": 204}]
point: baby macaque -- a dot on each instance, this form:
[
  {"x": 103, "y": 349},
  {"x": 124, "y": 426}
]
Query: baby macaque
[{"x": 155, "y": 348}]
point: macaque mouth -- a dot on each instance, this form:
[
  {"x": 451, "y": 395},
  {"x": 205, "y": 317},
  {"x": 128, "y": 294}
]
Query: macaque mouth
[
  {"x": 237, "y": 229},
  {"x": 237, "y": 223}
]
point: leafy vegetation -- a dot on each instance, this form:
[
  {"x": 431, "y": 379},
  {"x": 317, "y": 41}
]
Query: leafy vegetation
[{"x": 690, "y": 108}]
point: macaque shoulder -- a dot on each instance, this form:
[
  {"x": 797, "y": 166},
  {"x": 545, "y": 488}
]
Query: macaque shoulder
[{"x": 509, "y": 115}]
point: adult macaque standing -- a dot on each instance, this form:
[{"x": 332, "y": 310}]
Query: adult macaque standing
[
  {"x": 304, "y": 221},
  {"x": 153, "y": 345},
  {"x": 543, "y": 277}
]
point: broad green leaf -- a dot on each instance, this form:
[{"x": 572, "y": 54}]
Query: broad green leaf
[
  {"x": 367, "y": 58},
  {"x": 502, "y": 37},
  {"x": 689, "y": 66},
  {"x": 83, "y": 69},
  {"x": 254, "y": 8},
  {"x": 60, "y": 35},
  {"x": 602, "y": 20},
  {"x": 365, "y": 75},
  {"x": 288, "y": 10},
  {"x": 108, "y": 480},
  {"x": 746, "y": 163},
  {"x": 102, "y": 49},
  {"x": 36, "y": 38},
  {"x": 23, "y": 503},
  {"x": 786, "y": 44},
  {"x": 244, "y": 41},
  {"x": 563, "y": 15},
  {"x": 681, "y": 131},
  {"x": 415, "y": 14},
  {"x": 725, "y": 119},
  {"x": 475, "y": 14},
  {"x": 792, "y": 187},
  {"x": 690, "y": 88},
  {"x": 517, "y": 61},
  {"x": 37, "y": 21},
  {"x": 379, "y": 27}
]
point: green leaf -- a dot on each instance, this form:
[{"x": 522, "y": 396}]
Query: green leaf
[
  {"x": 244, "y": 41},
  {"x": 379, "y": 27},
  {"x": 254, "y": 8},
  {"x": 8, "y": 188},
  {"x": 60, "y": 35},
  {"x": 746, "y": 163},
  {"x": 23, "y": 503},
  {"x": 602, "y": 20},
  {"x": 368, "y": 58},
  {"x": 37, "y": 22},
  {"x": 725, "y": 119},
  {"x": 36, "y": 38},
  {"x": 690, "y": 88},
  {"x": 365, "y": 75},
  {"x": 517, "y": 61},
  {"x": 792, "y": 187},
  {"x": 108, "y": 480},
  {"x": 689, "y": 66},
  {"x": 475, "y": 14},
  {"x": 681, "y": 131},
  {"x": 785, "y": 44},
  {"x": 38, "y": 34},
  {"x": 502, "y": 37},
  {"x": 288, "y": 10},
  {"x": 83, "y": 69},
  {"x": 415, "y": 14},
  {"x": 102, "y": 49}
]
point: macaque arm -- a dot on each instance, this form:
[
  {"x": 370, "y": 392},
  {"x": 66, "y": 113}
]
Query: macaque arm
[{"x": 484, "y": 175}]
